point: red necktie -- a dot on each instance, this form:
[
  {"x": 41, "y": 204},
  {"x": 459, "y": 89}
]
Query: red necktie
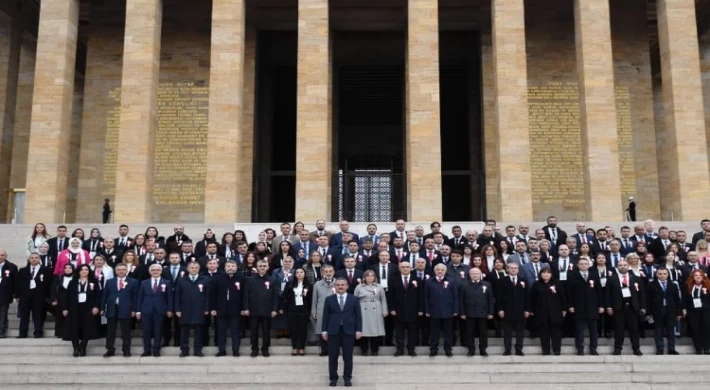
[
  {"x": 625, "y": 281},
  {"x": 120, "y": 284},
  {"x": 584, "y": 239},
  {"x": 399, "y": 255},
  {"x": 431, "y": 255},
  {"x": 406, "y": 282},
  {"x": 350, "y": 276},
  {"x": 155, "y": 286}
]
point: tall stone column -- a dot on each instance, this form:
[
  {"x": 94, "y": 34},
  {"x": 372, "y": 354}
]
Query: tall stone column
[
  {"x": 313, "y": 128},
  {"x": 50, "y": 131},
  {"x": 139, "y": 111},
  {"x": 10, "y": 39},
  {"x": 511, "y": 109},
  {"x": 687, "y": 182},
  {"x": 224, "y": 154},
  {"x": 597, "y": 110},
  {"x": 423, "y": 134},
  {"x": 247, "y": 139}
]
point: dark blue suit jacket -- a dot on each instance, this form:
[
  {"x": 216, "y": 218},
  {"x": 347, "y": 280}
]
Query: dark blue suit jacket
[
  {"x": 126, "y": 298},
  {"x": 159, "y": 302},
  {"x": 191, "y": 300},
  {"x": 311, "y": 247},
  {"x": 337, "y": 239},
  {"x": 375, "y": 240},
  {"x": 441, "y": 300},
  {"x": 350, "y": 317}
]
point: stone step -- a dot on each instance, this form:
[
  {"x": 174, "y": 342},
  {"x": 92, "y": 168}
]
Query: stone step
[{"x": 388, "y": 386}]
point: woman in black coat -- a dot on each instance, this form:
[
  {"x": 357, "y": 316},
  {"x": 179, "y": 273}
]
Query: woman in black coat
[
  {"x": 547, "y": 306},
  {"x": 604, "y": 272},
  {"x": 59, "y": 287},
  {"x": 494, "y": 277},
  {"x": 296, "y": 302},
  {"x": 80, "y": 308}
]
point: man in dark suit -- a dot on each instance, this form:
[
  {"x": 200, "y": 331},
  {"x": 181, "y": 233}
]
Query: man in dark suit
[
  {"x": 554, "y": 234},
  {"x": 351, "y": 273},
  {"x": 406, "y": 306},
  {"x": 664, "y": 306},
  {"x": 585, "y": 297},
  {"x": 226, "y": 306},
  {"x": 172, "y": 272},
  {"x": 353, "y": 250},
  {"x": 625, "y": 302},
  {"x": 477, "y": 307},
  {"x": 155, "y": 302},
  {"x": 327, "y": 252},
  {"x": 457, "y": 241},
  {"x": 261, "y": 300},
  {"x": 371, "y": 235},
  {"x": 123, "y": 242},
  {"x": 191, "y": 307},
  {"x": 342, "y": 325},
  {"x": 692, "y": 264},
  {"x": 174, "y": 242},
  {"x": 400, "y": 230},
  {"x": 150, "y": 254},
  {"x": 511, "y": 303},
  {"x": 118, "y": 305},
  {"x": 58, "y": 243},
  {"x": 705, "y": 228},
  {"x": 421, "y": 273},
  {"x": 627, "y": 245},
  {"x": 659, "y": 246},
  {"x": 8, "y": 272},
  {"x": 320, "y": 231},
  {"x": 337, "y": 238},
  {"x": 304, "y": 243},
  {"x": 158, "y": 256},
  {"x": 211, "y": 255},
  {"x": 186, "y": 253},
  {"x": 581, "y": 236},
  {"x": 32, "y": 289},
  {"x": 441, "y": 305}
]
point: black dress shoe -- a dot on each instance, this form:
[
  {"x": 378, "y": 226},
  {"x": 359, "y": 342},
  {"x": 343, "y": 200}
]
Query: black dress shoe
[
  {"x": 673, "y": 352},
  {"x": 449, "y": 354},
  {"x": 594, "y": 352},
  {"x": 156, "y": 354},
  {"x": 544, "y": 353},
  {"x": 144, "y": 354},
  {"x": 200, "y": 354},
  {"x": 76, "y": 352},
  {"x": 82, "y": 352},
  {"x": 348, "y": 384},
  {"x": 265, "y": 354},
  {"x": 333, "y": 384},
  {"x": 221, "y": 353},
  {"x": 126, "y": 354},
  {"x": 254, "y": 353},
  {"x": 617, "y": 352},
  {"x": 707, "y": 352},
  {"x": 659, "y": 352},
  {"x": 470, "y": 353},
  {"x": 184, "y": 354},
  {"x": 398, "y": 353},
  {"x": 638, "y": 352},
  {"x": 519, "y": 353},
  {"x": 412, "y": 353},
  {"x": 506, "y": 353},
  {"x": 39, "y": 336},
  {"x": 432, "y": 354},
  {"x": 22, "y": 336},
  {"x": 236, "y": 353},
  {"x": 580, "y": 353},
  {"x": 556, "y": 353},
  {"x": 484, "y": 353},
  {"x": 109, "y": 354}
]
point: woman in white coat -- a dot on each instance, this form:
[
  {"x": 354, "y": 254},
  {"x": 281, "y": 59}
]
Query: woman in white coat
[{"x": 373, "y": 305}]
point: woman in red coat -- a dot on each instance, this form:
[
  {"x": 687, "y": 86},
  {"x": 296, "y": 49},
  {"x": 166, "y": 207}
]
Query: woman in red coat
[{"x": 73, "y": 255}]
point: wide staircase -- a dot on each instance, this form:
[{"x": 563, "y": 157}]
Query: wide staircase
[{"x": 47, "y": 364}]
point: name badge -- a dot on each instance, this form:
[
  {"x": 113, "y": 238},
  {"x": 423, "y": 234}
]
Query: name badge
[
  {"x": 697, "y": 303},
  {"x": 82, "y": 297},
  {"x": 33, "y": 284},
  {"x": 626, "y": 292},
  {"x": 299, "y": 301},
  {"x": 383, "y": 283}
]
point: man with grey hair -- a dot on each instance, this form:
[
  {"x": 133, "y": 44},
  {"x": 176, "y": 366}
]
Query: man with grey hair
[
  {"x": 261, "y": 301},
  {"x": 7, "y": 278},
  {"x": 441, "y": 304},
  {"x": 322, "y": 289},
  {"x": 155, "y": 301}
]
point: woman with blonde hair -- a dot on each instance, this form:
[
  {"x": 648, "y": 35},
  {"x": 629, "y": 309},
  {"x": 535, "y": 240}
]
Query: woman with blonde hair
[
  {"x": 373, "y": 306},
  {"x": 38, "y": 237}
]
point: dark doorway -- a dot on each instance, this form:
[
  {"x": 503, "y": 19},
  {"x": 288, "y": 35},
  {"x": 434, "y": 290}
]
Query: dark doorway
[
  {"x": 463, "y": 189},
  {"x": 275, "y": 127},
  {"x": 368, "y": 126}
]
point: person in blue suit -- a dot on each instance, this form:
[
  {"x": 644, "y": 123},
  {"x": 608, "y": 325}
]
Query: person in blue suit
[
  {"x": 118, "y": 305},
  {"x": 342, "y": 325},
  {"x": 441, "y": 304},
  {"x": 155, "y": 301},
  {"x": 192, "y": 302}
]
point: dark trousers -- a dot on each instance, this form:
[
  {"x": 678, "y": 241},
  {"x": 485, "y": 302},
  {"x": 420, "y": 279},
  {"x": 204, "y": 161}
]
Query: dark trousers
[
  {"x": 230, "y": 322},
  {"x": 171, "y": 330},
  {"x": 206, "y": 330},
  {"x": 152, "y": 330},
  {"x": 80, "y": 344},
  {"x": 262, "y": 323},
  {"x": 550, "y": 334},
  {"x": 581, "y": 325},
  {"x": 58, "y": 322},
  {"x": 628, "y": 319},
  {"x": 411, "y": 328},
  {"x": 510, "y": 326},
  {"x": 3, "y": 318},
  {"x": 460, "y": 326},
  {"x": 37, "y": 313},
  {"x": 185, "y": 337},
  {"x": 423, "y": 330},
  {"x": 335, "y": 343},
  {"x": 664, "y": 324},
  {"x": 389, "y": 330},
  {"x": 605, "y": 325},
  {"x": 477, "y": 326},
  {"x": 699, "y": 326},
  {"x": 437, "y": 324},
  {"x": 111, "y": 325},
  {"x": 105, "y": 217},
  {"x": 370, "y": 343},
  {"x": 297, "y": 325}
]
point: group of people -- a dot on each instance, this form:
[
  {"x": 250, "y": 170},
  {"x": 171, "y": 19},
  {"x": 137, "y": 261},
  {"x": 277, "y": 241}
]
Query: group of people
[{"x": 406, "y": 283}]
